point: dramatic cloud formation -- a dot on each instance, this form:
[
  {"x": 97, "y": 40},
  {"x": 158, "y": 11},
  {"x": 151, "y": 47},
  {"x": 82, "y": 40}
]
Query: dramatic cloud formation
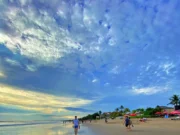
[
  {"x": 35, "y": 101},
  {"x": 63, "y": 55}
]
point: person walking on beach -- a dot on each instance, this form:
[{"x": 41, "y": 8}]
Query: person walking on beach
[
  {"x": 106, "y": 120},
  {"x": 76, "y": 125},
  {"x": 127, "y": 122}
]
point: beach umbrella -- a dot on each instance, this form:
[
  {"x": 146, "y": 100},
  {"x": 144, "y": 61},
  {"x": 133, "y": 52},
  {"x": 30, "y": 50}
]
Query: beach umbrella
[
  {"x": 133, "y": 114},
  {"x": 158, "y": 113},
  {"x": 165, "y": 112},
  {"x": 176, "y": 112}
]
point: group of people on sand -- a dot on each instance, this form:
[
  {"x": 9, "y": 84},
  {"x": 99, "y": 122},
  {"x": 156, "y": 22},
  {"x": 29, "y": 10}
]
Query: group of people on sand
[
  {"x": 143, "y": 120},
  {"x": 127, "y": 122}
]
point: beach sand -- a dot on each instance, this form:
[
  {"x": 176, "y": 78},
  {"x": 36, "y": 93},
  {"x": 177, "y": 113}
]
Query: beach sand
[
  {"x": 114, "y": 127},
  {"x": 156, "y": 126}
]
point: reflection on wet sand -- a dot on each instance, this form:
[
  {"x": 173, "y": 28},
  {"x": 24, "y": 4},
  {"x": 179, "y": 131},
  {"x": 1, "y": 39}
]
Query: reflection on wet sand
[{"x": 43, "y": 129}]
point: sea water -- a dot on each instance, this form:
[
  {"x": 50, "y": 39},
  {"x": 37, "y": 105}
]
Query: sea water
[{"x": 42, "y": 129}]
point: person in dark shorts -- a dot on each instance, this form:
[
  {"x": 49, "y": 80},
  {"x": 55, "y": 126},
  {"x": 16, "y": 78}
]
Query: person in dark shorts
[{"x": 126, "y": 122}]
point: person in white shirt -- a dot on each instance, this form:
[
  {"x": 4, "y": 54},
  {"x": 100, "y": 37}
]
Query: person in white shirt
[{"x": 76, "y": 125}]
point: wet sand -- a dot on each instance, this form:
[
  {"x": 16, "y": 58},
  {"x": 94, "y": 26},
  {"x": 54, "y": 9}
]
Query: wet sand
[
  {"x": 151, "y": 127},
  {"x": 42, "y": 129}
]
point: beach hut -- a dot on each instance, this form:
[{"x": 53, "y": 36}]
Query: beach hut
[{"x": 167, "y": 109}]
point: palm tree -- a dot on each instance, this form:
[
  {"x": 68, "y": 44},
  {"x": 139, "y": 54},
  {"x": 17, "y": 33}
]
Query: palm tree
[
  {"x": 174, "y": 100},
  {"x": 100, "y": 114},
  {"x": 117, "y": 109},
  {"x": 121, "y": 108}
]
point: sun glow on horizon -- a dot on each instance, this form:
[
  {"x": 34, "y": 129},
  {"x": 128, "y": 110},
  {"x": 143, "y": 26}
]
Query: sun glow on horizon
[{"x": 36, "y": 101}]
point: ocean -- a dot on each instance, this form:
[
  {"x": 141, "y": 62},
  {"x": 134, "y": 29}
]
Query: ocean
[{"x": 52, "y": 128}]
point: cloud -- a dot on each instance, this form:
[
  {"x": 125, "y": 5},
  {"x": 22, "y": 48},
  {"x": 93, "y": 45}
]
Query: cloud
[
  {"x": 149, "y": 90},
  {"x": 166, "y": 67},
  {"x": 43, "y": 36},
  {"x": 2, "y": 75},
  {"x": 31, "y": 68},
  {"x": 78, "y": 109},
  {"x": 17, "y": 114},
  {"x": 94, "y": 80},
  {"x": 115, "y": 70},
  {"x": 12, "y": 62},
  {"x": 37, "y": 38},
  {"x": 47, "y": 35},
  {"x": 63, "y": 117},
  {"x": 35, "y": 101},
  {"x": 107, "y": 84}
]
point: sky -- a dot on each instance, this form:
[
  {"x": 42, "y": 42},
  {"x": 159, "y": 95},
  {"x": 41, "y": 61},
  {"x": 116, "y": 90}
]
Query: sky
[{"x": 62, "y": 58}]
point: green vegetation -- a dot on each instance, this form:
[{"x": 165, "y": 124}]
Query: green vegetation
[
  {"x": 121, "y": 111},
  {"x": 151, "y": 111},
  {"x": 90, "y": 116},
  {"x": 126, "y": 110},
  {"x": 175, "y": 100},
  {"x": 115, "y": 114}
]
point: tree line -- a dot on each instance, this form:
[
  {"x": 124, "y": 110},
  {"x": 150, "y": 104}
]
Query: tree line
[{"x": 120, "y": 111}]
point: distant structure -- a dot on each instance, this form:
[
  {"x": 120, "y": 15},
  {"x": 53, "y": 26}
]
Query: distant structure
[
  {"x": 167, "y": 109},
  {"x": 106, "y": 114},
  {"x": 138, "y": 113}
]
